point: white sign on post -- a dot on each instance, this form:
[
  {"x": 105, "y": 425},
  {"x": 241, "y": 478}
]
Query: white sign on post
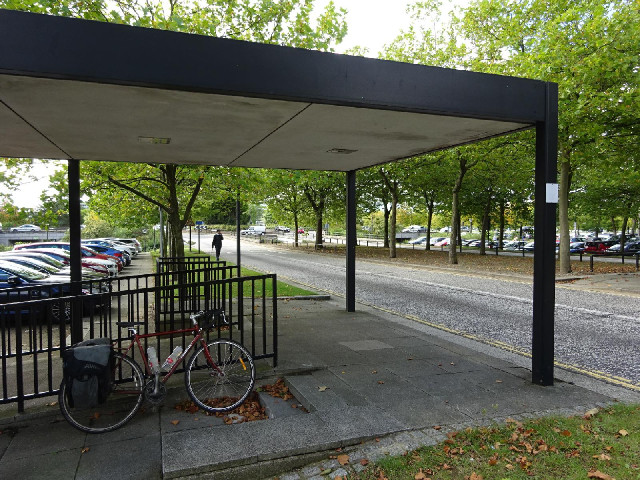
[{"x": 552, "y": 193}]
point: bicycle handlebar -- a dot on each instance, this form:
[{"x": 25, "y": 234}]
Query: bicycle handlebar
[{"x": 209, "y": 316}]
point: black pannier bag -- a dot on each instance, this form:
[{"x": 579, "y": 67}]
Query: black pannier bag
[{"x": 87, "y": 370}]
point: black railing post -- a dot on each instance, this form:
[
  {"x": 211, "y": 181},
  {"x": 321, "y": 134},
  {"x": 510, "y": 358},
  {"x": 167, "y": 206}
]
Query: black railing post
[{"x": 275, "y": 320}]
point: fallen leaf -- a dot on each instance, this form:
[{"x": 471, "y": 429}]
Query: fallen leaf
[
  {"x": 420, "y": 476},
  {"x": 603, "y": 456},
  {"x": 623, "y": 432},
  {"x": 599, "y": 475},
  {"x": 175, "y": 422},
  {"x": 498, "y": 381},
  {"x": 85, "y": 450},
  {"x": 380, "y": 382},
  {"x": 590, "y": 413},
  {"x": 343, "y": 459},
  {"x": 565, "y": 433},
  {"x": 323, "y": 388},
  {"x": 364, "y": 462},
  {"x": 475, "y": 476},
  {"x": 437, "y": 427}
]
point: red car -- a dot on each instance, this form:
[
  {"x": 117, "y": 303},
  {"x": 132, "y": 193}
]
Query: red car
[{"x": 598, "y": 246}]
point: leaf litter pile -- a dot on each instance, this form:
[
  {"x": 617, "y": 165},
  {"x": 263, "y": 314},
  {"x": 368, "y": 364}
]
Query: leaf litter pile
[
  {"x": 601, "y": 444},
  {"x": 250, "y": 410}
]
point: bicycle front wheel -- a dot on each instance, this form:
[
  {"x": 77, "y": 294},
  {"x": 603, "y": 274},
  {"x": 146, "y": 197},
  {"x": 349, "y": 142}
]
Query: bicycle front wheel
[
  {"x": 225, "y": 384},
  {"x": 120, "y": 406}
]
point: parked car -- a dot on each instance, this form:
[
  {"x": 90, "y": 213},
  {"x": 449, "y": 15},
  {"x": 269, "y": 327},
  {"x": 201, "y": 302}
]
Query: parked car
[
  {"x": 529, "y": 247},
  {"x": 630, "y": 248},
  {"x": 418, "y": 241},
  {"x": 113, "y": 266},
  {"x": 132, "y": 242},
  {"x": 576, "y": 247},
  {"x": 254, "y": 230},
  {"x": 414, "y": 229},
  {"x": 442, "y": 243},
  {"x": 301, "y": 230},
  {"x": 282, "y": 229},
  {"x": 598, "y": 246},
  {"x": 514, "y": 245},
  {"x": 123, "y": 256},
  {"x": 435, "y": 240},
  {"x": 97, "y": 266},
  {"x": 27, "y": 227},
  {"x": 55, "y": 261}
]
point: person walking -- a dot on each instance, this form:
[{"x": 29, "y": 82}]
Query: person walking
[{"x": 217, "y": 243}]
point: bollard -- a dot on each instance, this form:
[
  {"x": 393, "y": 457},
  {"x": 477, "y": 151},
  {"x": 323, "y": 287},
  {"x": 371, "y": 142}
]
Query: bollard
[
  {"x": 637, "y": 263},
  {"x": 580, "y": 256},
  {"x": 591, "y": 263}
]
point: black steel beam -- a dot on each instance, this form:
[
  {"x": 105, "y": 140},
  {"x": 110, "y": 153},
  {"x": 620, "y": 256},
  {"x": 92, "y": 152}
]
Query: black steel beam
[
  {"x": 73, "y": 177},
  {"x": 544, "y": 266},
  {"x": 73, "y": 49},
  {"x": 351, "y": 241}
]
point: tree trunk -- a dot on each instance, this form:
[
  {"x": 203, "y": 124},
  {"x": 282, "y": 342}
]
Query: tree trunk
[
  {"x": 394, "y": 212},
  {"x": 319, "y": 227},
  {"x": 453, "y": 233},
  {"x": 502, "y": 209},
  {"x": 623, "y": 236},
  {"x": 387, "y": 213},
  {"x": 429, "y": 218},
  {"x": 563, "y": 214},
  {"x": 485, "y": 226}
]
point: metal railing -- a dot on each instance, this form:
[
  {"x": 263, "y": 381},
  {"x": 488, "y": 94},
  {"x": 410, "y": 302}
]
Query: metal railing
[{"x": 32, "y": 339}]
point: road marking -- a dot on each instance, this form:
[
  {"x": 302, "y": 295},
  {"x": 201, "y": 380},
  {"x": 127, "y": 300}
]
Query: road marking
[
  {"x": 599, "y": 375},
  {"x": 614, "y": 379}
]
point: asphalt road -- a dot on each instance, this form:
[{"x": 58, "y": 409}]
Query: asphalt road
[{"x": 595, "y": 332}]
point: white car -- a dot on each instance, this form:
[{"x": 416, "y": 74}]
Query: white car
[
  {"x": 282, "y": 229},
  {"x": 27, "y": 227}
]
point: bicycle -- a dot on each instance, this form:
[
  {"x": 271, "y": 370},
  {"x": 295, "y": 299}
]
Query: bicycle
[{"x": 219, "y": 377}]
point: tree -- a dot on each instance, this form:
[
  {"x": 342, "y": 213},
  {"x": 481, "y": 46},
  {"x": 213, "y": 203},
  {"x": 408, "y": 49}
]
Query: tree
[
  {"x": 285, "y": 196},
  {"x": 589, "y": 48},
  {"x": 282, "y": 23},
  {"x": 320, "y": 190}
]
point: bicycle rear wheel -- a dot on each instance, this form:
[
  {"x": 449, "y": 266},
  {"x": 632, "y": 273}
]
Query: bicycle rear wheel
[
  {"x": 121, "y": 404},
  {"x": 225, "y": 385}
]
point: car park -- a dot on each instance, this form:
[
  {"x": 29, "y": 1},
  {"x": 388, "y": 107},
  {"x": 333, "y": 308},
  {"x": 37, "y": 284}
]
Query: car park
[
  {"x": 27, "y": 227},
  {"x": 111, "y": 265}
]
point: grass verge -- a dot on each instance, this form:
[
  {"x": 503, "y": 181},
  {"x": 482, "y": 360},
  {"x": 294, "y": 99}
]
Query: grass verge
[{"x": 602, "y": 444}]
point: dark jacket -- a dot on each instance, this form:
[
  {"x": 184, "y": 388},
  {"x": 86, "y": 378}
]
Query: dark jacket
[{"x": 217, "y": 240}]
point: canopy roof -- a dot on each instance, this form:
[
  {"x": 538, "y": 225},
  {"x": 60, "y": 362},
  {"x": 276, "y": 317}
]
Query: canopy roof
[{"x": 77, "y": 89}]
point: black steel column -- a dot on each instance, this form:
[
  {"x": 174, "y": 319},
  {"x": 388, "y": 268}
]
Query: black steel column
[
  {"x": 73, "y": 177},
  {"x": 351, "y": 241},
  {"x": 238, "y": 256},
  {"x": 544, "y": 266}
]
